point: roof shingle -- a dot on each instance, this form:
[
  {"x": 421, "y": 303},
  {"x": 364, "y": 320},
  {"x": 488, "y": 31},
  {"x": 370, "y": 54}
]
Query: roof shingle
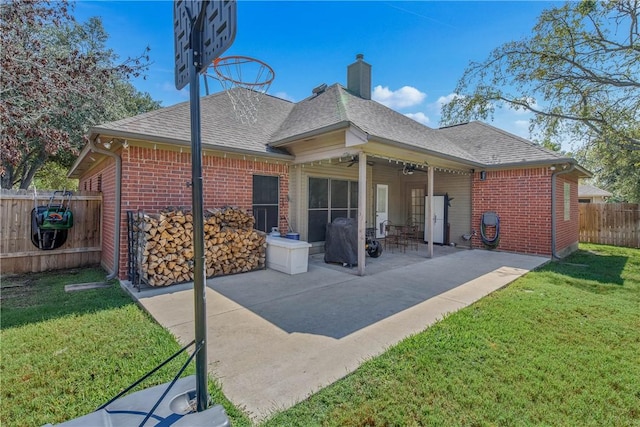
[
  {"x": 492, "y": 146},
  {"x": 586, "y": 190},
  {"x": 337, "y": 105},
  {"x": 219, "y": 126},
  {"x": 283, "y": 121}
]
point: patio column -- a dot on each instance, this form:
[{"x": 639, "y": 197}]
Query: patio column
[
  {"x": 362, "y": 210},
  {"x": 430, "y": 212}
]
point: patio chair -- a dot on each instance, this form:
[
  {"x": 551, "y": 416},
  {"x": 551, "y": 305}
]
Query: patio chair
[
  {"x": 391, "y": 237},
  {"x": 411, "y": 235}
]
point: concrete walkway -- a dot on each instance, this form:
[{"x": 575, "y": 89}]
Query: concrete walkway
[{"x": 274, "y": 339}]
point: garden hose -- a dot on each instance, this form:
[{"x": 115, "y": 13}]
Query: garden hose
[{"x": 490, "y": 219}]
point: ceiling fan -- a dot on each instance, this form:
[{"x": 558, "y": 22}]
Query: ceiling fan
[
  {"x": 410, "y": 169},
  {"x": 354, "y": 160}
]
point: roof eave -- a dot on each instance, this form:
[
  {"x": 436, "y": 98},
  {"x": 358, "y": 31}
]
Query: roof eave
[
  {"x": 96, "y": 131},
  {"x": 425, "y": 151},
  {"x": 86, "y": 150},
  {"x": 310, "y": 134},
  {"x": 547, "y": 162}
]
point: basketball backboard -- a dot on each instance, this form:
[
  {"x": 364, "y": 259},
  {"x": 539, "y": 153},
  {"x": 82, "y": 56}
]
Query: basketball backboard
[{"x": 218, "y": 26}]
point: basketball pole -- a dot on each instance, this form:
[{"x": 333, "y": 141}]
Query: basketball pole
[{"x": 199, "y": 289}]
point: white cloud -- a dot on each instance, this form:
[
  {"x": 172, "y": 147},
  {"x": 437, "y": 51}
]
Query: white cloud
[
  {"x": 406, "y": 96},
  {"x": 419, "y": 117},
  {"x": 444, "y": 100}
]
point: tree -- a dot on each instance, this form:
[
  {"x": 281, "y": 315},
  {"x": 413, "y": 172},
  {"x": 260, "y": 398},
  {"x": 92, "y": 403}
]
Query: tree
[
  {"x": 616, "y": 170},
  {"x": 579, "y": 74},
  {"x": 57, "y": 80},
  {"x": 53, "y": 176}
]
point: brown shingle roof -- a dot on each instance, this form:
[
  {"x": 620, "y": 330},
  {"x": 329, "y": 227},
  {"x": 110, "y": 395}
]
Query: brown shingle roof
[
  {"x": 494, "y": 147},
  {"x": 280, "y": 121},
  {"x": 219, "y": 126},
  {"x": 586, "y": 190},
  {"x": 336, "y": 106}
]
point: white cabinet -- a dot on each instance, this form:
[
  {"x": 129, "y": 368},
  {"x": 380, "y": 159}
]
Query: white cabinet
[{"x": 438, "y": 219}]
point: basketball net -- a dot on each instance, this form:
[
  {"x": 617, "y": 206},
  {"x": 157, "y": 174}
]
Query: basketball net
[{"x": 245, "y": 80}]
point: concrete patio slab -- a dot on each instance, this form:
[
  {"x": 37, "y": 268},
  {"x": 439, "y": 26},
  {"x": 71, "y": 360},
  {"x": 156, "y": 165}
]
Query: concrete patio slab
[{"x": 274, "y": 339}]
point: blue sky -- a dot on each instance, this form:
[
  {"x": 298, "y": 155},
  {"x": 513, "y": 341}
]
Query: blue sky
[{"x": 418, "y": 50}]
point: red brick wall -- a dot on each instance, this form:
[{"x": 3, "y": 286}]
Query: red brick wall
[
  {"x": 567, "y": 231},
  {"x": 522, "y": 199},
  {"x": 154, "y": 179},
  {"x": 106, "y": 172}
]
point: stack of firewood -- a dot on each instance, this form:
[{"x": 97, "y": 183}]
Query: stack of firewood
[{"x": 165, "y": 245}]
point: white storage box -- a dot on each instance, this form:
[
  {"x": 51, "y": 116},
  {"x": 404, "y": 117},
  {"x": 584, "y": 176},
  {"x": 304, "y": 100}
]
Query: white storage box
[{"x": 287, "y": 255}]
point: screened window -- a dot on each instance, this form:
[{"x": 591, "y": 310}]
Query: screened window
[
  {"x": 567, "y": 201},
  {"x": 330, "y": 199},
  {"x": 265, "y": 202}
]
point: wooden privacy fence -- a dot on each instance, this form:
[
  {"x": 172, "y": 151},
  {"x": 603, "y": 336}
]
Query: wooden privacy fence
[
  {"x": 17, "y": 252},
  {"x": 616, "y": 224}
]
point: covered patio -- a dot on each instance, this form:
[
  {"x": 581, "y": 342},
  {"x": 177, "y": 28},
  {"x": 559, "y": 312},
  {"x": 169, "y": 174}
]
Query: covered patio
[
  {"x": 383, "y": 188},
  {"x": 392, "y": 258}
]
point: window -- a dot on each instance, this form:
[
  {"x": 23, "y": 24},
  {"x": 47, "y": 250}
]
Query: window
[
  {"x": 416, "y": 207},
  {"x": 567, "y": 201},
  {"x": 100, "y": 182},
  {"x": 330, "y": 199},
  {"x": 265, "y": 202}
]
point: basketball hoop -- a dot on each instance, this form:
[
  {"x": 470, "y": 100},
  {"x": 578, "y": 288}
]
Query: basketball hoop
[{"x": 245, "y": 80}]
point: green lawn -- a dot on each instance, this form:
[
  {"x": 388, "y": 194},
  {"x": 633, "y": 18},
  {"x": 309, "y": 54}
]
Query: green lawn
[
  {"x": 65, "y": 354},
  {"x": 560, "y": 346}
]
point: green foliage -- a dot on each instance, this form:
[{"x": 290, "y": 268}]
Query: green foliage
[
  {"x": 579, "y": 74},
  {"x": 616, "y": 171},
  {"x": 558, "y": 346},
  {"x": 53, "y": 176},
  {"x": 58, "y": 79}
]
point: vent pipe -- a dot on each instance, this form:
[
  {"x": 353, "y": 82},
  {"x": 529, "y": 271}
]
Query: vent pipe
[{"x": 359, "y": 78}]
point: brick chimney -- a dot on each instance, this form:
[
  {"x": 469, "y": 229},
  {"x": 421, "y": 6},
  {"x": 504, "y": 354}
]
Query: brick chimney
[{"x": 359, "y": 78}]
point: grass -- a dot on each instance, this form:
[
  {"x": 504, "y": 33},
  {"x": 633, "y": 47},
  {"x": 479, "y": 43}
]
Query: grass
[
  {"x": 65, "y": 354},
  {"x": 560, "y": 346}
]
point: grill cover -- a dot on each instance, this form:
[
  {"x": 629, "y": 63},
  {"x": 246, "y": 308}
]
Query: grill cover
[{"x": 341, "y": 242}]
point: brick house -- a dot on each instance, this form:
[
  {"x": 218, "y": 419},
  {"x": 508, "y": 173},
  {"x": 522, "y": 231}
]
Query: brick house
[{"x": 334, "y": 154}]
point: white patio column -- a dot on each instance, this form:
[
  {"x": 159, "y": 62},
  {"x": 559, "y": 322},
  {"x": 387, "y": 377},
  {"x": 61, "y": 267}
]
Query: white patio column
[
  {"x": 362, "y": 210},
  {"x": 430, "y": 212}
]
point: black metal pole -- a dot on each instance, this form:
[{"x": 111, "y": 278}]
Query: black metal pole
[{"x": 199, "y": 289}]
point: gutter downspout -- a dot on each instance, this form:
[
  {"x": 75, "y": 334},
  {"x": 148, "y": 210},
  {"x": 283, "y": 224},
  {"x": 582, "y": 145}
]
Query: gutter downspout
[
  {"x": 116, "y": 237},
  {"x": 554, "y": 256}
]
